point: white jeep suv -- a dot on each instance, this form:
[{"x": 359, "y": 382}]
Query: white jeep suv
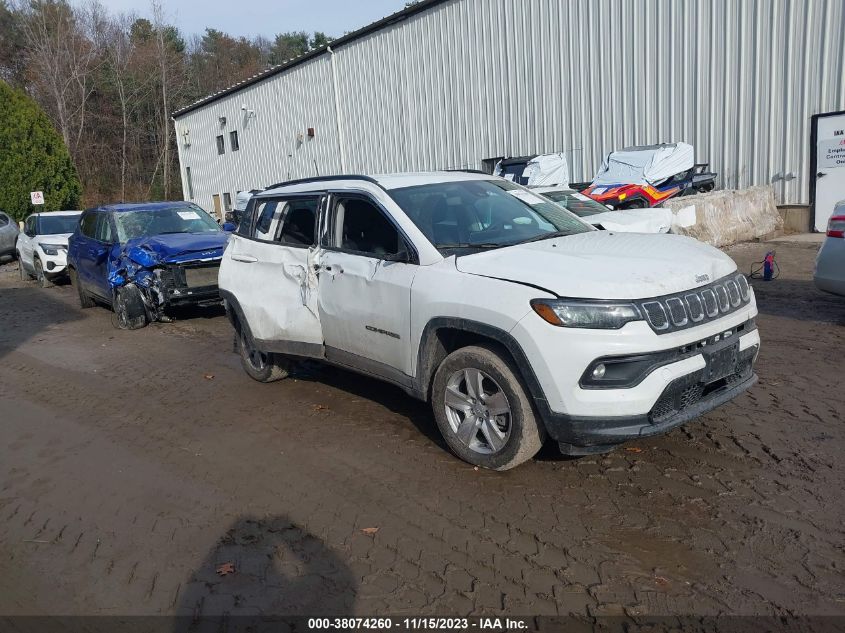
[{"x": 513, "y": 317}]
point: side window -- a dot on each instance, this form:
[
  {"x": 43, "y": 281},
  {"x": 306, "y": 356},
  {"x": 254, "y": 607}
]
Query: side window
[
  {"x": 299, "y": 222},
  {"x": 88, "y": 224},
  {"x": 245, "y": 224},
  {"x": 290, "y": 222},
  {"x": 3, "y": 220},
  {"x": 359, "y": 225},
  {"x": 29, "y": 225},
  {"x": 104, "y": 232},
  {"x": 268, "y": 213}
]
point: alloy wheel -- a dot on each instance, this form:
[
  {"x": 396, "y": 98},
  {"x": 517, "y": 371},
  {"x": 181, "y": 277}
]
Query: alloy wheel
[{"x": 478, "y": 411}]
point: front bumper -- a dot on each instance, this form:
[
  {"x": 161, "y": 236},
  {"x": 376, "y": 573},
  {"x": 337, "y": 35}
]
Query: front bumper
[
  {"x": 54, "y": 265},
  {"x": 178, "y": 288},
  {"x": 683, "y": 400}
]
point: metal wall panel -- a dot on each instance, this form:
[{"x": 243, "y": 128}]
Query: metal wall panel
[{"x": 468, "y": 80}]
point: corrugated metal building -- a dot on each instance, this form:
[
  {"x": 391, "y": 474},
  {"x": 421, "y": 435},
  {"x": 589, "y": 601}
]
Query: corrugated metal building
[{"x": 452, "y": 83}]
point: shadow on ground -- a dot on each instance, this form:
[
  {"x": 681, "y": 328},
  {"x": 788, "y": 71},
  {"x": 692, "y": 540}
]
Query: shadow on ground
[
  {"x": 366, "y": 388},
  {"x": 265, "y": 568},
  {"x": 798, "y": 299}
]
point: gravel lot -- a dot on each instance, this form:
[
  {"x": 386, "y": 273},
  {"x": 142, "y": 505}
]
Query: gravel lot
[{"x": 134, "y": 464}]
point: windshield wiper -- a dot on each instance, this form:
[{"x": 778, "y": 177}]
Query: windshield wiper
[
  {"x": 544, "y": 236},
  {"x": 468, "y": 245}
]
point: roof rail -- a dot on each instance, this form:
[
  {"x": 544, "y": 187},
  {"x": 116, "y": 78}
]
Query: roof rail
[
  {"x": 323, "y": 179},
  {"x": 469, "y": 171}
]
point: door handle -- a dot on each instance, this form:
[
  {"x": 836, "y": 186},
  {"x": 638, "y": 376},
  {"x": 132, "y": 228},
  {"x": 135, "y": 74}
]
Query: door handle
[{"x": 246, "y": 259}]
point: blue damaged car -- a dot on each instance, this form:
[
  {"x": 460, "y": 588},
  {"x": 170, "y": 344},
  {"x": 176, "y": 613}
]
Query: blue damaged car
[{"x": 144, "y": 259}]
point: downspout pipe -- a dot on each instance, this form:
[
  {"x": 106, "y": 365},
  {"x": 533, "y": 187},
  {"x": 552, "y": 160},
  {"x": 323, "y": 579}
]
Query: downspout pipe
[{"x": 341, "y": 141}]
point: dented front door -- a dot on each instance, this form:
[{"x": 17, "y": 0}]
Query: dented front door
[
  {"x": 274, "y": 266},
  {"x": 365, "y": 307},
  {"x": 365, "y": 286}
]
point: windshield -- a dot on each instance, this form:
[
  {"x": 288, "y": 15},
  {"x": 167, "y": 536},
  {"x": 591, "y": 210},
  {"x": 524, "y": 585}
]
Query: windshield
[
  {"x": 57, "y": 224},
  {"x": 147, "y": 222},
  {"x": 578, "y": 203},
  {"x": 483, "y": 214}
]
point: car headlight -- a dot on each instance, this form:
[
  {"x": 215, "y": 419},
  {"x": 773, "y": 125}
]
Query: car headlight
[
  {"x": 586, "y": 314},
  {"x": 52, "y": 249}
]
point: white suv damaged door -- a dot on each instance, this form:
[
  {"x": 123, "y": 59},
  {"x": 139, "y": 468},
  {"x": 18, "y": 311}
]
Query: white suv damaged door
[
  {"x": 366, "y": 271},
  {"x": 274, "y": 262}
]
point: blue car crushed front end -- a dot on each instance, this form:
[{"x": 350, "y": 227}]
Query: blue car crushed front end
[{"x": 170, "y": 269}]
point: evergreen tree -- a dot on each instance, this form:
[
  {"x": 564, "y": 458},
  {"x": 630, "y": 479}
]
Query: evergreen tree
[{"x": 32, "y": 158}]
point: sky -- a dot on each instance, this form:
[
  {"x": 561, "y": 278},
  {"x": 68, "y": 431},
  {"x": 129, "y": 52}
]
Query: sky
[{"x": 265, "y": 17}]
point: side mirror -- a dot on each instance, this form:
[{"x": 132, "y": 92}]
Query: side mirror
[{"x": 229, "y": 227}]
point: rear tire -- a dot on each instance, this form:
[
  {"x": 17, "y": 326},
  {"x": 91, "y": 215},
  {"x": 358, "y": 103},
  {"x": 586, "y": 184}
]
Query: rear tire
[
  {"x": 129, "y": 308},
  {"x": 41, "y": 276},
  {"x": 261, "y": 366},
  {"x": 85, "y": 301},
  {"x": 24, "y": 275},
  {"x": 483, "y": 411}
]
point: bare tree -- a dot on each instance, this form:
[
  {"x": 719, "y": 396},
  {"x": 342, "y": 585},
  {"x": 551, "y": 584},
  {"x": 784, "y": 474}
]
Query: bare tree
[
  {"x": 169, "y": 49},
  {"x": 120, "y": 55},
  {"x": 62, "y": 58}
]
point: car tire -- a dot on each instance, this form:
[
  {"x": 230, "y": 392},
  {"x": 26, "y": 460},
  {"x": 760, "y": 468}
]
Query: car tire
[
  {"x": 471, "y": 426},
  {"x": 40, "y": 276},
  {"x": 261, "y": 366},
  {"x": 24, "y": 275},
  {"x": 129, "y": 308},
  {"x": 85, "y": 301}
]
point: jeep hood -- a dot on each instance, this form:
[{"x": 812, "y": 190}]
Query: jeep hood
[{"x": 604, "y": 265}]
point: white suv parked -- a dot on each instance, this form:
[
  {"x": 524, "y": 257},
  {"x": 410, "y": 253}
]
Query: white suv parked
[
  {"x": 513, "y": 317},
  {"x": 42, "y": 245}
]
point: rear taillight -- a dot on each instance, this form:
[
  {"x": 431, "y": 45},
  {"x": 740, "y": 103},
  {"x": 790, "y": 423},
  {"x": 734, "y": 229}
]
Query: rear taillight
[{"x": 836, "y": 226}]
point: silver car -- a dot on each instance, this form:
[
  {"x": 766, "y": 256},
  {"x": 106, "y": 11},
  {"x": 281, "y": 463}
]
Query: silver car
[
  {"x": 830, "y": 263},
  {"x": 8, "y": 235}
]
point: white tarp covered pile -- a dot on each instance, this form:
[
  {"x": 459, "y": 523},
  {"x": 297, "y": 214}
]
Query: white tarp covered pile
[
  {"x": 651, "y": 164},
  {"x": 241, "y": 199},
  {"x": 727, "y": 217},
  {"x": 546, "y": 170}
]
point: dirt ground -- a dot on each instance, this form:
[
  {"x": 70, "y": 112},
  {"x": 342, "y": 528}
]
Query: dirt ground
[{"x": 134, "y": 464}]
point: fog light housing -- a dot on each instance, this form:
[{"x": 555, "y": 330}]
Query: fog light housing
[
  {"x": 599, "y": 371},
  {"x": 50, "y": 265}
]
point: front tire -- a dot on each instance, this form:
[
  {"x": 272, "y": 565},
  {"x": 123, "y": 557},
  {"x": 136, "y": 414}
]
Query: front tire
[
  {"x": 260, "y": 366},
  {"x": 483, "y": 411},
  {"x": 129, "y": 308},
  {"x": 41, "y": 276}
]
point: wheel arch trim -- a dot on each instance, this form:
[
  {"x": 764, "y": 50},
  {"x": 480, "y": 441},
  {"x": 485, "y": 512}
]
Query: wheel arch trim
[{"x": 428, "y": 350}]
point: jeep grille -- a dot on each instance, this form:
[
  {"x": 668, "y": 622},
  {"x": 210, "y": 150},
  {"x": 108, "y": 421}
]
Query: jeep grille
[{"x": 690, "y": 308}]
